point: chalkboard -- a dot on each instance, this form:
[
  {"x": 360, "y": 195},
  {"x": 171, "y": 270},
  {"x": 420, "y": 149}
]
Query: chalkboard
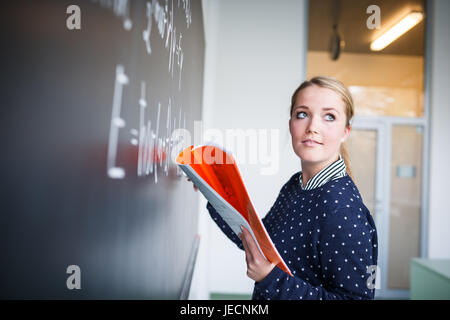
[{"x": 92, "y": 205}]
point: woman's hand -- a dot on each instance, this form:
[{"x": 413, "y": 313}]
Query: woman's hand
[
  {"x": 258, "y": 267},
  {"x": 195, "y": 188}
]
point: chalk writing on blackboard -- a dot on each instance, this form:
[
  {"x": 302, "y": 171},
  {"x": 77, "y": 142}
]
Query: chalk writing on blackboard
[
  {"x": 148, "y": 30},
  {"x": 166, "y": 29},
  {"x": 153, "y": 150},
  {"x": 134, "y": 133},
  {"x": 121, "y": 8},
  {"x": 116, "y": 123},
  {"x": 142, "y": 132}
]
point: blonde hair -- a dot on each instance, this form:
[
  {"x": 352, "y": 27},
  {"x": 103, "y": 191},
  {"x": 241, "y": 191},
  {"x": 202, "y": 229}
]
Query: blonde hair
[{"x": 338, "y": 87}]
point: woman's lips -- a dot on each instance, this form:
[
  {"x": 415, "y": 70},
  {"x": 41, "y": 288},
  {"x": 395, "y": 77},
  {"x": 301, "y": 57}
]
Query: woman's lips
[{"x": 310, "y": 143}]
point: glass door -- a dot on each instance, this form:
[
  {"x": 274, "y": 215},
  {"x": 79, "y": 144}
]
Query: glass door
[
  {"x": 386, "y": 162},
  {"x": 405, "y": 204},
  {"x": 364, "y": 147}
]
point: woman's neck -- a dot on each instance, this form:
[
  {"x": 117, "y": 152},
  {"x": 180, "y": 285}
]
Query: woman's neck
[{"x": 310, "y": 169}]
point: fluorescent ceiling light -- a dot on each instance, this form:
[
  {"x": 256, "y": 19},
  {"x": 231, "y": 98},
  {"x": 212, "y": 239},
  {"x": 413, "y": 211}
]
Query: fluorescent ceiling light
[{"x": 396, "y": 31}]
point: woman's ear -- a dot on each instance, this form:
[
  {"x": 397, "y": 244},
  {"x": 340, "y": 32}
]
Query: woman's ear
[{"x": 346, "y": 133}]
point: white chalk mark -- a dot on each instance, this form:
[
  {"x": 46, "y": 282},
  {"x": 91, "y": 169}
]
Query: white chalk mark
[
  {"x": 179, "y": 118},
  {"x": 164, "y": 20},
  {"x": 161, "y": 144},
  {"x": 174, "y": 123},
  {"x": 142, "y": 153},
  {"x": 187, "y": 11},
  {"x": 148, "y": 156},
  {"x": 116, "y": 123},
  {"x": 116, "y": 173},
  {"x": 169, "y": 106},
  {"x": 121, "y": 9},
  {"x": 119, "y": 122},
  {"x": 157, "y": 149},
  {"x": 157, "y": 119},
  {"x": 180, "y": 56},
  {"x": 127, "y": 24},
  {"x": 147, "y": 32},
  {"x": 168, "y": 129},
  {"x": 160, "y": 17},
  {"x": 134, "y": 132},
  {"x": 169, "y": 26},
  {"x": 122, "y": 78}
]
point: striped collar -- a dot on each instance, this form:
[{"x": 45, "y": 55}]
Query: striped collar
[{"x": 333, "y": 171}]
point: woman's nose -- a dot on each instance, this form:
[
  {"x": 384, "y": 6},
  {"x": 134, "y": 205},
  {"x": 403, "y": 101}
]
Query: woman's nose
[{"x": 312, "y": 126}]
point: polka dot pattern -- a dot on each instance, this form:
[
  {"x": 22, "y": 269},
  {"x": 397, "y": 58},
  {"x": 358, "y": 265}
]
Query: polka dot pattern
[{"x": 326, "y": 236}]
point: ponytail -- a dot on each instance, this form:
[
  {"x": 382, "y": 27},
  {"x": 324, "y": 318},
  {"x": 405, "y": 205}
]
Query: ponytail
[{"x": 345, "y": 156}]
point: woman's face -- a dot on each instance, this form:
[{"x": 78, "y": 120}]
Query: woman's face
[{"x": 318, "y": 125}]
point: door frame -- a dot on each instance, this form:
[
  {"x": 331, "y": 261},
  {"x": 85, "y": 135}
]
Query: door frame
[{"x": 383, "y": 127}]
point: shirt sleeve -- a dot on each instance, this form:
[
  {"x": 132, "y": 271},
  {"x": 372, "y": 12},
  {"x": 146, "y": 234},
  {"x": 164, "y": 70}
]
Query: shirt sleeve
[
  {"x": 229, "y": 232},
  {"x": 347, "y": 247}
]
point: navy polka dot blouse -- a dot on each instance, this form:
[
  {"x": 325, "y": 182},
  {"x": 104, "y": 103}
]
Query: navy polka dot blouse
[{"x": 326, "y": 236}]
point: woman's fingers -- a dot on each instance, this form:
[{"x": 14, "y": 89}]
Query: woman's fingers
[
  {"x": 251, "y": 244},
  {"x": 247, "y": 251},
  {"x": 246, "y": 242},
  {"x": 258, "y": 267},
  {"x": 195, "y": 187}
]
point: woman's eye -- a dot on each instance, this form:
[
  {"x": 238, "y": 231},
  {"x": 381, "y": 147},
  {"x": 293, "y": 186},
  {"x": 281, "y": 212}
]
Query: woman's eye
[
  {"x": 328, "y": 117},
  {"x": 301, "y": 115}
]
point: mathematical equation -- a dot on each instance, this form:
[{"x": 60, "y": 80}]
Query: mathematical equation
[{"x": 153, "y": 149}]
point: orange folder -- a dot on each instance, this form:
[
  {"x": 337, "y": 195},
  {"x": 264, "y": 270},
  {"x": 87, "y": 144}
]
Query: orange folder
[{"x": 217, "y": 176}]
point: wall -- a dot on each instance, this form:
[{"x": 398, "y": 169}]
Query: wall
[
  {"x": 378, "y": 70},
  {"x": 439, "y": 95}
]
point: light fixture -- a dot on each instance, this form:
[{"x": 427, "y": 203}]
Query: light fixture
[{"x": 401, "y": 27}]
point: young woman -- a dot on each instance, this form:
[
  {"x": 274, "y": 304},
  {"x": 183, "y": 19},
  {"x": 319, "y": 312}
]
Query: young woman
[{"x": 319, "y": 223}]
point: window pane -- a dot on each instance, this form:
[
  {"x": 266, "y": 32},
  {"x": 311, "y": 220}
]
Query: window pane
[
  {"x": 362, "y": 147},
  {"x": 383, "y": 101},
  {"x": 380, "y": 85},
  {"x": 405, "y": 206}
]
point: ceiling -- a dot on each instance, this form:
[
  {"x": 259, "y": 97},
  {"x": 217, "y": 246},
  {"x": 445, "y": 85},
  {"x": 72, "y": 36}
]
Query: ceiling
[{"x": 351, "y": 18}]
